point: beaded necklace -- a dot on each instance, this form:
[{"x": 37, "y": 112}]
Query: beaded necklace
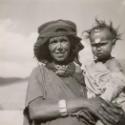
[{"x": 62, "y": 70}]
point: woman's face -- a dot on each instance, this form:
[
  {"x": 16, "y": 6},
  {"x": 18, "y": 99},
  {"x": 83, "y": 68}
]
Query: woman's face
[{"x": 59, "y": 48}]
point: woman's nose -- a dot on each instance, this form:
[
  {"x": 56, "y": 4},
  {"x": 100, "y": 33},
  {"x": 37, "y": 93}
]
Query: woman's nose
[{"x": 59, "y": 45}]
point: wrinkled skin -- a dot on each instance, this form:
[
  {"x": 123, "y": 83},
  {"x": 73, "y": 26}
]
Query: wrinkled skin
[
  {"x": 108, "y": 113},
  {"x": 99, "y": 109},
  {"x": 59, "y": 48}
]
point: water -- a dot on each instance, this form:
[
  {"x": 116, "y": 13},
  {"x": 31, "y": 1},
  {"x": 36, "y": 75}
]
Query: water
[
  {"x": 11, "y": 117},
  {"x": 12, "y": 101}
]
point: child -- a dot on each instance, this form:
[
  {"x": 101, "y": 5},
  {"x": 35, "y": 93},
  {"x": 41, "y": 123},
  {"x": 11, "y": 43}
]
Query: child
[{"x": 104, "y": 76}]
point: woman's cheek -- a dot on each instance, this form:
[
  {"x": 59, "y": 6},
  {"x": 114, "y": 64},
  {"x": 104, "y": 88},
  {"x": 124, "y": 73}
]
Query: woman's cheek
[{"x": 52, "y": 48}]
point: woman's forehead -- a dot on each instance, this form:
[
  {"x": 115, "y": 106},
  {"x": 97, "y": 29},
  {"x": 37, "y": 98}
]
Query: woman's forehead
[{"x": 58, "y": 38}]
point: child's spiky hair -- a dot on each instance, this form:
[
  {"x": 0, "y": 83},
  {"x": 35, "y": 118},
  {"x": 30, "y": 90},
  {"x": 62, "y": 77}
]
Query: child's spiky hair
[{"x": 101, "y": 24}]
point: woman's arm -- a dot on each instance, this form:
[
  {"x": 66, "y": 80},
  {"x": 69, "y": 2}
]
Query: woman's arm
[
  {"x": 108, "y": 113},
  {"x": 47, "y": 110},
  {"x": 44, "y": 110}
]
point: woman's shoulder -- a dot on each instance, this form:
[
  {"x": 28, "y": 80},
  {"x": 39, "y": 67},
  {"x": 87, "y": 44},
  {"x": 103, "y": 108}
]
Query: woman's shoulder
[
  {"x": 40, "y": 68},
  {"x": 78, "y": 68},
  {"x": 78, "y": 74}
]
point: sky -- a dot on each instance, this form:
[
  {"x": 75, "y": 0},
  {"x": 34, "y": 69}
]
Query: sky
[{"x": 19, "y": 20}]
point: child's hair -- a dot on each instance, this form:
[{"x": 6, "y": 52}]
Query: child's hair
[{"x": 100, "y": 25}]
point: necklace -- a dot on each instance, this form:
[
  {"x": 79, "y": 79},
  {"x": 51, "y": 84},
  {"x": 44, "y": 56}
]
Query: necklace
[{"x": 62, "y": 70}]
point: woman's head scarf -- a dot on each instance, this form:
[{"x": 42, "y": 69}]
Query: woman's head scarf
[{"x": 54, "y": 29}]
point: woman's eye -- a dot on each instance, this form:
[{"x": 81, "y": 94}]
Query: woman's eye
[
  {"x": 64, "y": 41},
  {"x": 53, "y": 42}
]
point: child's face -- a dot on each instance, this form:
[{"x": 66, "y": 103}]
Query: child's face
[{"x": 102, "y": 43}]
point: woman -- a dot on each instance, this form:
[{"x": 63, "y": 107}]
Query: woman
[{"x": 56, "y": 90}]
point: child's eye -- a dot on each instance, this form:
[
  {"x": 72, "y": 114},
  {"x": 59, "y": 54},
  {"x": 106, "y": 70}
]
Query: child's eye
[
  {"x": 103, "y": 44},
  {"x": 93, "y": 45}
]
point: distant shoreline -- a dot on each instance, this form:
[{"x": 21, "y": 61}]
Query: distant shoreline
[{"x": 11, "y": 80}]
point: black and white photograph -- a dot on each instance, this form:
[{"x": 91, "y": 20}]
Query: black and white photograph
[{"x": 62, "y": 62}]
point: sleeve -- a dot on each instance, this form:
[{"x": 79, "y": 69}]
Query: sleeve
[{"x": 35, "y": 89}]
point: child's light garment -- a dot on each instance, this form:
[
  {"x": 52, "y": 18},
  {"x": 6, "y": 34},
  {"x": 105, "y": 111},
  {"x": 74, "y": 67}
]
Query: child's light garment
[
  {"x": 106, "y": 81},
  {"x": 100, "y": 81}
]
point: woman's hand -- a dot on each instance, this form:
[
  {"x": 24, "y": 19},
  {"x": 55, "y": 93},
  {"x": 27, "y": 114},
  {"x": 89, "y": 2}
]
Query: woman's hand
[
  {"x": 117, "y": 111},
  {"x": 108, "y": 113}
]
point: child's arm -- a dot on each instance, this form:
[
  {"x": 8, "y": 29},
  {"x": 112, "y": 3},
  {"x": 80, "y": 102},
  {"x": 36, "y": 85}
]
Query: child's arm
[
  {"x": 114, "y": 66},
  {"x": 117, "y": 81},
  {"x": 114, "y": 87}
]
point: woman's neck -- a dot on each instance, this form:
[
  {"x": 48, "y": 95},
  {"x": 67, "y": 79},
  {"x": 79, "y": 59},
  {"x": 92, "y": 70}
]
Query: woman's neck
[
  {"x": 61, "y": 63},
  {"x": 103, "y": 60},
  {"x": 62, "y": 69}
]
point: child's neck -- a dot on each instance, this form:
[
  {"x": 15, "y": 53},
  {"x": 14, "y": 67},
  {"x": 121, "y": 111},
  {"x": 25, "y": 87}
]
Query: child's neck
[{"x": 103, "y": 60}]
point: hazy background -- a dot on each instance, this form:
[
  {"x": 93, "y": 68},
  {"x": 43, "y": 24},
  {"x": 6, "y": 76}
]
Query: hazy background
[{"x": 19, "y": 20}]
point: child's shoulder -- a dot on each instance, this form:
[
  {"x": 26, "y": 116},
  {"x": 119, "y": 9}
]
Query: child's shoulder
[
  {"x": 113, "y": 65},
  {"x": 96, "y": 67}
]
